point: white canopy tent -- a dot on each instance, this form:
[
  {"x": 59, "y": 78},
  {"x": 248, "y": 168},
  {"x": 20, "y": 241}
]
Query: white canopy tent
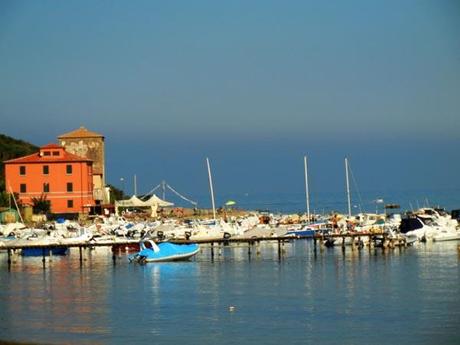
[{"x": 153, "y": 202}]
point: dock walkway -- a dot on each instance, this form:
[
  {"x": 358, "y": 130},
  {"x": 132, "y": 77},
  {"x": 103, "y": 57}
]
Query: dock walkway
[{"x": 118, "y": 244}]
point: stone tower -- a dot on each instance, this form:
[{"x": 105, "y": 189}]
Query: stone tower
[{"x": 88, "y": 144}]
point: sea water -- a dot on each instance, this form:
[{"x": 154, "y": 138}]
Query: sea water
[
  {"x": 328, "y": 202},
  {"x": 303, "y": 296}
]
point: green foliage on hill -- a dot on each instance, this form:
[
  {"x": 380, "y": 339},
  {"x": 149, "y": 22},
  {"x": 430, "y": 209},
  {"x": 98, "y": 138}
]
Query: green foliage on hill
[{"x": 11, "y": 148}]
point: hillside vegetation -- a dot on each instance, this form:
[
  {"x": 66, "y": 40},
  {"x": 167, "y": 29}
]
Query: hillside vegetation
[{"x": 12, "y": 148}]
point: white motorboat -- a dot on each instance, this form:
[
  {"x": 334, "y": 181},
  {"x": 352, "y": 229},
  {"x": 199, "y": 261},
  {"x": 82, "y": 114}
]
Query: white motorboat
[
  {"x": 448, "y": 234},
  {"x": 426, "y": 227}
]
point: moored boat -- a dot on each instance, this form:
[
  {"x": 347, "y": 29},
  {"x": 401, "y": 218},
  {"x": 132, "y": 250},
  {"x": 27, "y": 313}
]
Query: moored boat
[
  {"x": 37, "y": 251},
  {"x": 164, "y": 251},
  {"x": 310, "y": 230}
]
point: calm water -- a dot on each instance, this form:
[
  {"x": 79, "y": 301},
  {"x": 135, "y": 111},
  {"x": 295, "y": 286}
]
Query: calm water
[
  {"x": 409, "y": 296},
  {"x": 327, "y": 202}
]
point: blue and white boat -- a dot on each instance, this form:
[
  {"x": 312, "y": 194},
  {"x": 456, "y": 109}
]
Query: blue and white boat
[
  {"x": 310, "y": 230},
  {"x": 164, "y": 251}
]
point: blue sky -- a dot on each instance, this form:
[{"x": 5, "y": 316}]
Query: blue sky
[{"x": 254, "y": 85}]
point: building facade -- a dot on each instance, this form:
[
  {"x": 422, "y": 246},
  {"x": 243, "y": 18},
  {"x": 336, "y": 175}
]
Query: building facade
[
  {"x": 90, "y": 145},
  {"x": 64, "y": 179}
]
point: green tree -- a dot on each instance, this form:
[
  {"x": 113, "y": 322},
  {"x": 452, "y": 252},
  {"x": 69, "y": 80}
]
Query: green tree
[
  {"x": 11, "y": 148},
  {"x": 41, "y": 205},
  {"x": 115, "y": 194},
  {"x": 5, "y": 200}
]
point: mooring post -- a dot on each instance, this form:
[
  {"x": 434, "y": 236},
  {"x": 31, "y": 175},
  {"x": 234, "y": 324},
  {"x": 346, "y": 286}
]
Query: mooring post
[
  {"x": 43, "y": 256},
  {"x": 279, "y": 249},
  {"x": 9, "y": 259},
  {"x": 258, "y": 247},
  {"x": 249, "y": 249},
  {"x": 50, "y": 253},
  {"x": 81, "y": 255},
  {"x": 212, "y": 250},
  {"x": 220, "y": 249}
]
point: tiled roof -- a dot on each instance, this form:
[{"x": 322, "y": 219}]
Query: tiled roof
[
  {"x": 37, "y": 158},
  {"x": 82, "y": 132},
  {"x": 51, "y": 146}
]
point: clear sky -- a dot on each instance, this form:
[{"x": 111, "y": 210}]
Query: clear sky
[{"x": 254, "y": 85}]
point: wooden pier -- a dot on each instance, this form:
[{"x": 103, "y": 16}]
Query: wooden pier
[{"x": 319, "y": 240}]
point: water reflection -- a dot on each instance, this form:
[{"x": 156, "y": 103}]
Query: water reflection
[{"x": 325, "y": 295}]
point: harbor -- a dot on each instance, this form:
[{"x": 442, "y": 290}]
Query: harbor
[
  {"x": 229, "y": 172},
  {"x": 251, "y": 229}
]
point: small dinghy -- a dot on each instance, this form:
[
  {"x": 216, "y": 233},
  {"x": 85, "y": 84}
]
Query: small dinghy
[{"x": 164, "y": 251}]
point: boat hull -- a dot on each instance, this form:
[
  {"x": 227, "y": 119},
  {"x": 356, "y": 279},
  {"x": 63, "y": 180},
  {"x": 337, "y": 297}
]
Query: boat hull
[
  {"x": 178, "y": 257},
  {"x": 45, "y": 251},
  {"x": 166, "y": 252},
  {"x": 302, "y": 233},
  {"x": 447, "y": 237}
]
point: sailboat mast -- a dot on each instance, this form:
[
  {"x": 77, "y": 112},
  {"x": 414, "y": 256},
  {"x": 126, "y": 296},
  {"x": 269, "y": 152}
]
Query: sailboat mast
[
  {"x": 135, "y": 184},
  {"x": 163, "y": 187},
  {"x": 307, "y": 193},
  {"x": 211, "y": 189},
  {"x": 16, "y": 204},
  {"x": 348, "y": 188}
]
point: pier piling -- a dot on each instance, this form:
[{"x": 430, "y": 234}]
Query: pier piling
[
  {"x": 43, "y": 257},
  {"x": 9, "y": 259}
]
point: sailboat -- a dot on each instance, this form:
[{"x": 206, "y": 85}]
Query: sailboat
[
  {"x": 308, "y": 229},
  {"x": 214, "y": 228},
  {"x": 334, "y": 241}
]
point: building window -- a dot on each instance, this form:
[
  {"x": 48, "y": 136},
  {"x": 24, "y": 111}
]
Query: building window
[
  {"x": 69, "y": 203},
  {"x": 69, "y": 186},
  {"x": 68, "y": 169},
  {"x": 46, "y": 170},
  {"x": 46, "y": 153},
  {"x": 55, "y": 153},
  {"x": 46, "y": 187},
  {"x": 23, "y": 188},
  {"x": 22, "y": 170}
]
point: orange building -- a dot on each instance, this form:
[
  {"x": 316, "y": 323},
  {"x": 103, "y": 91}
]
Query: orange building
[{"x": 64, "y": 178}]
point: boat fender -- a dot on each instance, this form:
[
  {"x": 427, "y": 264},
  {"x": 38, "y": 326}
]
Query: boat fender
[
  {"x": 227, "y": 235},
  {"x": 187, "y": 235},
  {"x": 160, "y": 234}
]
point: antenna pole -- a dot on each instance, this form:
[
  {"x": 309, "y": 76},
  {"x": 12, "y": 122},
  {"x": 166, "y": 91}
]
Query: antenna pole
[
  {"x": 307, "y": 193},
  {"x": 211, "y": 189},
  {"x": 135, "y": 185},
  {"x": 348, "y": 188}
]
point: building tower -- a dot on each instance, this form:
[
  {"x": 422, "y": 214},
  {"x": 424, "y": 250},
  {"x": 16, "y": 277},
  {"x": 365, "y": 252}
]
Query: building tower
[{"x": 88, "y": 144}]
